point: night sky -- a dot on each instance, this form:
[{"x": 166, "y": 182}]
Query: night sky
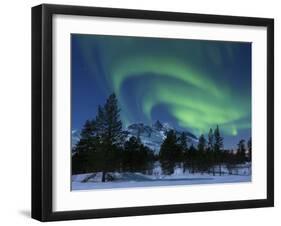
[{"x": 191, "y": 84}]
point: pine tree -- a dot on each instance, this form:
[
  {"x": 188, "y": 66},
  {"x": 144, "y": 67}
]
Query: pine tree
[
  {"x": 170, "y": 153},
  {"x": 218, "y": 140},
  {"x": 249, "y": 144},
  {"x": 108, "y": 122},
  {"x": 109, "y": 129},
  {"x": 100, "y": 121},
  {"x": 192, "y": 153},
  {"x": 84, "y": 143},
  {"x": 201, "y": 154},
  {"x": 211, "y": 154},
  {"x": 218, "y": 145},
  {"x": 113, "y": 123},
  {"x": 129, "y": 158},
  {"x": 136, "y": 157},
  {"x": 85, "y": 147},
  {"x": 241, "y": 151},
  {"x": 201, "y": 143},
  {"x": 211, "y": 140},
  {"x": 183, "y": 142}
]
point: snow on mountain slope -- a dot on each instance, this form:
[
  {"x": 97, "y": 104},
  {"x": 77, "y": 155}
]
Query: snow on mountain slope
[{"x": 151, "y": 136}]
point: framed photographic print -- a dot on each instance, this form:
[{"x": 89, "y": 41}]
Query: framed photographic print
[{"x": 145, "y": 112}]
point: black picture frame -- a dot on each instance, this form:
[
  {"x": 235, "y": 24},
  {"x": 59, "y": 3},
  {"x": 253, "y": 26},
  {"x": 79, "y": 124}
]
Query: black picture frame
[{"x": 42, "y": 111}]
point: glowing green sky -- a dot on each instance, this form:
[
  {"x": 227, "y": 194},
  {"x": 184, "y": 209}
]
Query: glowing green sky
[{"x": 192, "y": 84}]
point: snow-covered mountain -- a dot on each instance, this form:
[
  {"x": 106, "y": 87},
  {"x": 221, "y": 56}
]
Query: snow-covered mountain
[{"x": 153, "y": 136}]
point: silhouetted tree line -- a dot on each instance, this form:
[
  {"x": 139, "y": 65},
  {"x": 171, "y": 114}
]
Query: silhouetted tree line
[
  {"x": 208, "y": 157},
  {"x": 103, "y": 148}
]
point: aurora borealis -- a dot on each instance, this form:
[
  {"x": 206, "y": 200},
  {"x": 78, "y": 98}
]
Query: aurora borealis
[{"x": 191, "y": 84}]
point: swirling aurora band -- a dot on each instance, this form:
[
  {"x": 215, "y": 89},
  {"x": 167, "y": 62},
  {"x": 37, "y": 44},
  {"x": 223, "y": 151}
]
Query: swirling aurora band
[{"x": 196, "y": 84}]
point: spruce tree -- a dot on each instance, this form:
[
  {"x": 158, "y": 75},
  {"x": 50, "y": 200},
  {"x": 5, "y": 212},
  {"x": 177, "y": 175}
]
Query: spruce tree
[
  {"x": 218, "y": 140},
  {"x": 192, "y": 158},
  {"x": 170, "y": 153},
  {"x": 211, "y": 154},
  {"x": 211, "y": 140},
  {"x": 100, "y": 122},
  {"x": 218, "y": 145},
  {"x": 249, "y": 144},
  {"x": 201, "y": 143},
  {"x": 183, "y": 142},
  {"x": 82, "y": 158},
  {"x": 130, "y": 158},
  {"x": 136, "y": 157},
  {"x": 113, "y": 123},
  {"x": 201, "y": 160},
  {"x": 109, "y": 130},
  {"x": 85, "y": 137},
  {"x": 241, "y": 151}
]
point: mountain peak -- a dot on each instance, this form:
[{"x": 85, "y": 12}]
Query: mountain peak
[
  {"x": 158, "y": 125},
  {"x": 154, "y": 135},
  {"x": 151, "y": 136}
]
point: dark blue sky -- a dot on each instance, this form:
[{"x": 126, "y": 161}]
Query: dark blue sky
[{"x": 191, "y": 84}]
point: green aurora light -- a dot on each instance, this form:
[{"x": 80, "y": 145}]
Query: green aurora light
[{"x": 179, "y": 77}]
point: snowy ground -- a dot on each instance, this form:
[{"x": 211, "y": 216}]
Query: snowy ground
[
  {"x": 128, "y": 179},
  {"x": 161, "y": 182}
]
